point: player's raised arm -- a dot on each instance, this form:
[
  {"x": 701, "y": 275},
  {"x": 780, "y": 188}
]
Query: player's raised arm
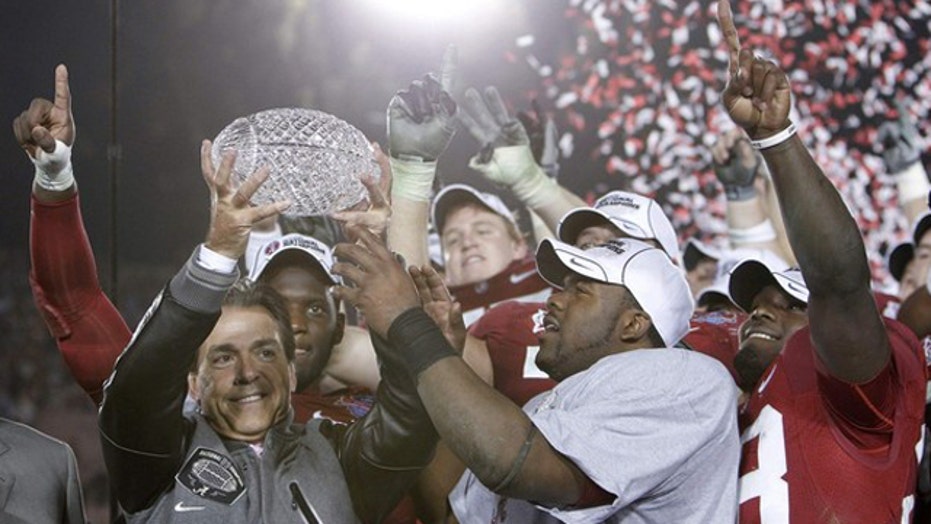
[{"x": 846, "y": 327}]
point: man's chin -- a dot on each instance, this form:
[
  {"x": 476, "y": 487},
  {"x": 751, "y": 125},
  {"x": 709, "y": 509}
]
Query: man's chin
[{"x": 750, "y": 364}]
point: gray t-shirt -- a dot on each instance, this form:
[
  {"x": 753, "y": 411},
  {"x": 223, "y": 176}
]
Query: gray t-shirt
[{"x": 657, "y": 428}]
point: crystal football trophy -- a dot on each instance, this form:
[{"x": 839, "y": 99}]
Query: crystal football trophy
[{"x": 314, "y": 158}]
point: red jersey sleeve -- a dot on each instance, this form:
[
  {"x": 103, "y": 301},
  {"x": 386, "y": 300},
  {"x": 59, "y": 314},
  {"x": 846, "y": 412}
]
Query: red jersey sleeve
[
  {"x": 865, "y": 413},
  {"x": 89, "y": 330}
]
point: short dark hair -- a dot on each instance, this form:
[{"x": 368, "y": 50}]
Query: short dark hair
[{"x": 246, "y": 293}]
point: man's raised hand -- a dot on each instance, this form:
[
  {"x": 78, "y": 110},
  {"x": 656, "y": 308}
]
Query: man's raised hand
[
  {"x": 47, "y": 121},
  {"x": 445, "y": 311},
  {"x": 422, "y": 118},
  {"x": 757, "y": 95},
  {"x": 375, "y": 280},
  {"x": 231, "y": 214},
  {"x": 378, "y": 208}
]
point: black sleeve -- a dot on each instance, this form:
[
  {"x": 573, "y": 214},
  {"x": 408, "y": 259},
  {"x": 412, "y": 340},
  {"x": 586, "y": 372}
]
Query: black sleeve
[
  {"x": 142, "y": 427},
  {"x": 383, "y": 453}
]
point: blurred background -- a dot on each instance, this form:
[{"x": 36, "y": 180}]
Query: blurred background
[{"x": 633, "y": 86}]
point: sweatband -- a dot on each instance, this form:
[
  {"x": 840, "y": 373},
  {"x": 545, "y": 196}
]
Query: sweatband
[
  {"x": 412, "y": 179},
  {"x": 762, "y": 232},
  {"x": 912, "y": 183},
  {"x": 775, "y": 140},
  {"x": 518, "y": 461},
  {"x": 212, "y": 261},
  {"x": 738, "y": 193},
  {"x": 422, "y": 341},
  {"x": 53, "y": 170}
]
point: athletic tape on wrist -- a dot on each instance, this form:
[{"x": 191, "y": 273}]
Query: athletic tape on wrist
[
  {"x": 412, "y": 179},
  {"x": 762, "y": 232},
  {"x": 53, "y": 170},
  {"x": 912, "y": 183},
  {"x": 775, "y": 140}
]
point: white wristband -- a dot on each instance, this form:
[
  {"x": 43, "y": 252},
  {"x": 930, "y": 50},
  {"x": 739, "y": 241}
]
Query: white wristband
[
  {"x": 776, "y": 139},
  {"x": 53, "y": 170},
  {"x": 412, "y": 179},
  {"x": 762, "y": 232}
]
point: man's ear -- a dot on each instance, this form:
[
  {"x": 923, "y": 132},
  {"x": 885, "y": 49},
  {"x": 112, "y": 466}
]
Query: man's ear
[
  {"x": 635, "y": 325},
  {"x": 192, "y": 388},
  {"x": 520, "y": 249}
]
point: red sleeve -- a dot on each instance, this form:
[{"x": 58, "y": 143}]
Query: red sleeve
[
  {"x": 866, "y": 412},
  {"x": 90, "y": 332}
]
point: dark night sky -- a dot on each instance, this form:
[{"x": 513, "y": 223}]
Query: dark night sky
[{"x": 187, "y": 68}]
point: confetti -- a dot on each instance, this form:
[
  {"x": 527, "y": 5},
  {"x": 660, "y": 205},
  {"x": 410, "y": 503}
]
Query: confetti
[{"x": 637, "y": 98}]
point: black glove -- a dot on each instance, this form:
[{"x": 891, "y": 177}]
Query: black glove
[
  {"x": 543, "y": 138},
  {"x": 900, "y": 141},
  {"x": 422, "y": 118}
]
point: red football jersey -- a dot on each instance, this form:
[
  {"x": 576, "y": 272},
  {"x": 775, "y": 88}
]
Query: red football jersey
[
  {"x": 716, "y": 334},
  {"x": 343, "y": 405},
  {"x": 814, "y": 448},
  {"x": 888, "y": 305},
  {"x": 346, "y": 406},
  {"x": 508, "y": 330},
  {"x": 519, "y": 281}
]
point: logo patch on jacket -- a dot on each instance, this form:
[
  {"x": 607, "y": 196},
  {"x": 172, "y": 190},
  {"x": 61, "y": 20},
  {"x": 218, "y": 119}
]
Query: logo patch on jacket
[{"x": 212, "y": 476}]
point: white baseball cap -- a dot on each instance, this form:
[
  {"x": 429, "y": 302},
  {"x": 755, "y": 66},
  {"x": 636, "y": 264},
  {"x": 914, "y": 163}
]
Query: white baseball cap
[
  {"x": 727, "y": 261},
  {"x": 455, "y": 194},
  {"x": 315, "y": 249},
  {"x": 636, "y": 215},
  {"x": 750, "y": 277},
  {"x": 647, "y": 272}
]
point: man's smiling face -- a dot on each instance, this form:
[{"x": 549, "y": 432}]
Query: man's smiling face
[
  {"x": 477, "y": 245},
  {"x": 774, "y": 317},
  {"x": 243, "y": 378}
]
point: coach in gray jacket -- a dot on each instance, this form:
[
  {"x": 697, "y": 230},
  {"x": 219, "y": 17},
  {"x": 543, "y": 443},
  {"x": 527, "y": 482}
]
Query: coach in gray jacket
[{"x": 239, "y": 459}]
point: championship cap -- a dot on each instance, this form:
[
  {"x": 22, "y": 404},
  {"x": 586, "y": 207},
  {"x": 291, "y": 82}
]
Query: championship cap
[
  {"x": 636, "y": 215},
  {"x": 456, "y": 194},
  {"x": 657, "y": 285},
  {"x": 750, "y": 276},
  {"x": 727, "y": 261},
  {"x": 294, "y": 242},
  {"x": 899, "y": 258}
]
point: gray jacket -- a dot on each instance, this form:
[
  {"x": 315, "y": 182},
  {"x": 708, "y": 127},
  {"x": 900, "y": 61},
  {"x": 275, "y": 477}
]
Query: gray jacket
[
  {"x": 170, "y": 468},
  {"x": 38, "y": 478}
]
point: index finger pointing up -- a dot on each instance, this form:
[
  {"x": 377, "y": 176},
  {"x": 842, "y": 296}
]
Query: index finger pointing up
[
  {"x": 448, "y": 69},
  {"x": 726, "y": 20},
  {"x": 62, "y": 90}
]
